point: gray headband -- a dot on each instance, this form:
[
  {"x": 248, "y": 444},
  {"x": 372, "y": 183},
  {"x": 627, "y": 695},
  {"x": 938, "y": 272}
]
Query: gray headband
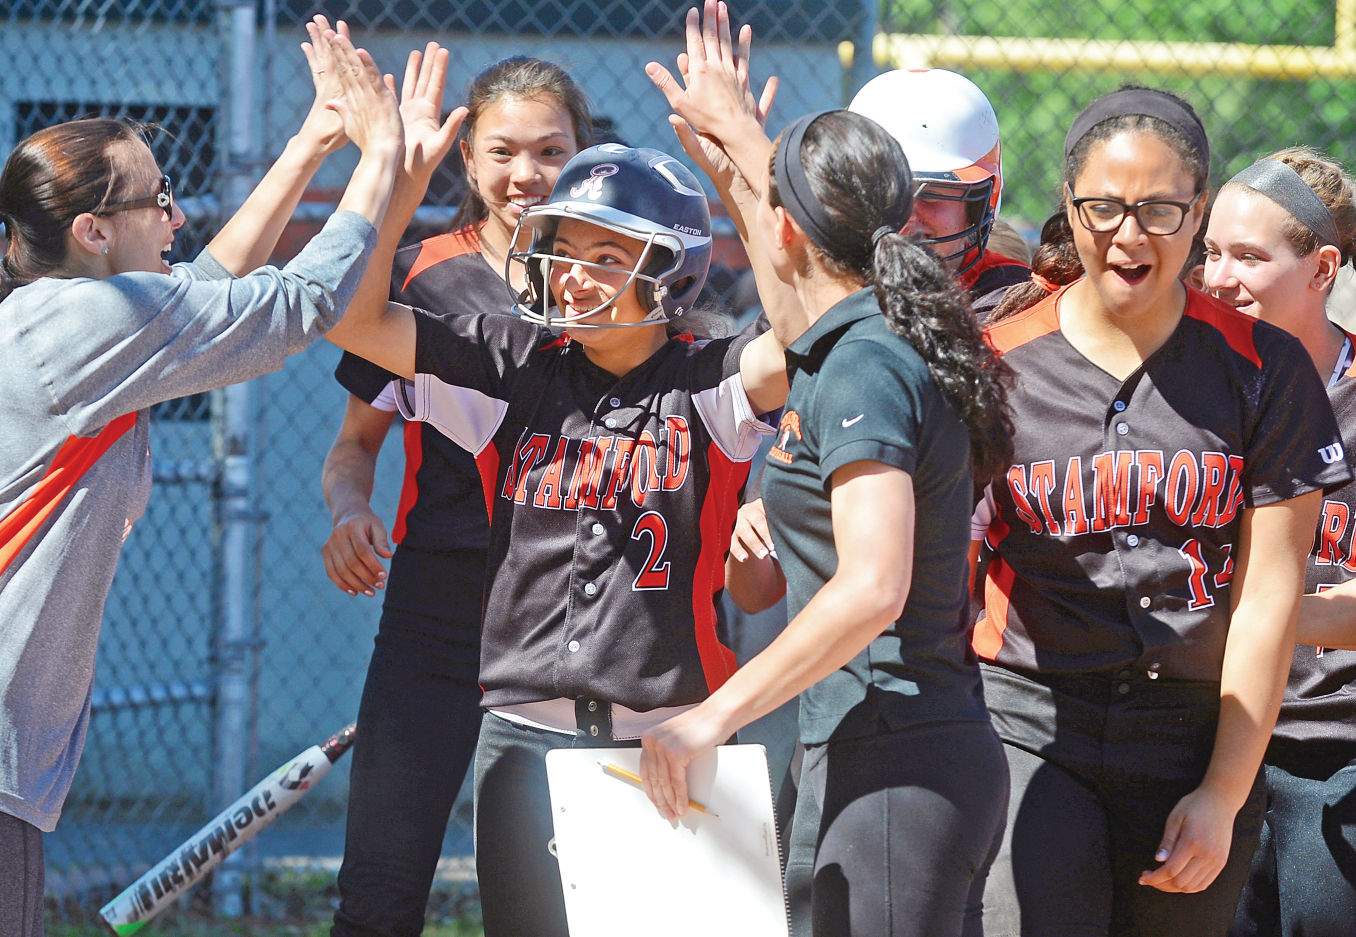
[
  {"x": 1140, "y": 102},
  {"x": 1279, "y": 182}
]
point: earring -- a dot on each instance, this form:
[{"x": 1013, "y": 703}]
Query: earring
[{"x": 105, "y": 250}]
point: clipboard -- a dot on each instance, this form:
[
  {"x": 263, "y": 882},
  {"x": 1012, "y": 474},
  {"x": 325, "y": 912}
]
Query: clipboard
[{"x": 625, "y": 869}]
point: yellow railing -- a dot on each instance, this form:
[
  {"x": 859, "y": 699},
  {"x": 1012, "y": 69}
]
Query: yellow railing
[{"x": 1296, "y": 63}]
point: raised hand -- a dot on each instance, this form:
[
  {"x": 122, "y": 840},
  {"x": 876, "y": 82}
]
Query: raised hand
[
  {"x": 428, "y": 138},
  {"x": 323, "y": 125},
  {"x": 366, "y": 101},
  {"x": 715, "y": 99}
]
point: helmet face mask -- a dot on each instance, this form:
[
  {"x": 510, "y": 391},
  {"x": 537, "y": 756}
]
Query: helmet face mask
[
  {"x": 642, "y": 194},
  {"x": 978, "y": 199}
]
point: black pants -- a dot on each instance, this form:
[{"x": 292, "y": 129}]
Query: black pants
[
  {"x": 894, "y": 833},
  {"x": 520, "y": 890},
  {"x": 417, "y": 727},
  {"x": 1098, "y": 763},
  {"x": 21, "y": 878},
  {"x": 1303, "y": 877}
]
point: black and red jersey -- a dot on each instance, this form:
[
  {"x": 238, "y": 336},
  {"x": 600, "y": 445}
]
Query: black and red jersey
[
  {"x": 1320, "y": 699},
  {"x": 611, "y": 502},
  {"x": 441, "y": 506},
  {"x": 1117, "y": 523},
  {"x": 988, "y": 281}
]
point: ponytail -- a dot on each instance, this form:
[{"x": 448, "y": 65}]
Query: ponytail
[{"x": 922, "y": 304}]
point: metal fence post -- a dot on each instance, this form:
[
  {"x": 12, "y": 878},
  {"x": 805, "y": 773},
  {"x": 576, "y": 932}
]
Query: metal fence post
[{"x": 236, "y": 644}]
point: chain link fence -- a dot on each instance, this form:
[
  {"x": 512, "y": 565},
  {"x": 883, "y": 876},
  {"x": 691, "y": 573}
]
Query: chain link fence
[{"x": 224, "y": 647}]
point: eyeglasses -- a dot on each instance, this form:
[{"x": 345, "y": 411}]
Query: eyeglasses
[
  {"x": 1155, "y": 216},
  {"x": 164, "y": 199}
]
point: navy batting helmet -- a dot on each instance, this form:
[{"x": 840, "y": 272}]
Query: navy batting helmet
[{"x": 641, "y": 193}]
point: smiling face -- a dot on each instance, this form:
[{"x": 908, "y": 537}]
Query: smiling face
[
  {"x": 1133, "y": 273},
  {"x": 1252, "y": 265},
  {"x": 577, "y": 289},
  {"x": 140, "y": 237},
  {"x": 518, "y": 149}
]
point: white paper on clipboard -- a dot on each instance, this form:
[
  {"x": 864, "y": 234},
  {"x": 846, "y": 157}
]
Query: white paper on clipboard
[{"x": 626, "y": 870}]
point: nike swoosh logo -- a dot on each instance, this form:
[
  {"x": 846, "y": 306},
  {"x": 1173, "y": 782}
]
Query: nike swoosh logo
[{"x": 847, "y": 423}]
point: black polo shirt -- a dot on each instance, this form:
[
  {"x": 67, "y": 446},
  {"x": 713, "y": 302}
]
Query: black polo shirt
[{"x": 860, "y": 393}]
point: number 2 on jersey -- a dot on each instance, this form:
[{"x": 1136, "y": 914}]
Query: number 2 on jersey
[{"x": 654, "y": 574}]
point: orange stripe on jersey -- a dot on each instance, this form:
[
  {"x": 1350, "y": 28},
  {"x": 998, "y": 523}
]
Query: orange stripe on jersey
[
  {"x": 435, "y": 250},
  {"x": 409, "y": 490},
  {"x": 1351, "y": 371},
  {"x": 1041, "y": 319},
  {"x": 1235, "y": 326},
  {"x": 487, "y": 463},
  {"x": 719, "y": 507},
  {"x": 71, "y": 462},
  {"x": 989, "y": 630}
]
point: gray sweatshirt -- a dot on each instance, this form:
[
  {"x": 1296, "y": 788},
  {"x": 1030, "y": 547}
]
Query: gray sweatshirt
[{"x": 77, "y": 355}]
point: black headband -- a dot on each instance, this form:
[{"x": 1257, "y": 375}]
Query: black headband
[
  {"x": 1144, "y": 102},
  {"x": 1279, "y": 182},
  {"x": 794, "y": 186},
  {"x": 799, "y": 199}
]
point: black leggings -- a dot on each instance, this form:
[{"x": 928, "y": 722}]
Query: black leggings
[
  {"x": 417, "y": 727},
  {"x": 898, "y": 831},
  {"x": 21, "y": 878},
  {"x": 1098, "y": 763}
]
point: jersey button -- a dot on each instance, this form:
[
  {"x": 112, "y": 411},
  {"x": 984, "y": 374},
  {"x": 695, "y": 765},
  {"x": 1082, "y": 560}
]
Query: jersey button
[
  {"x": 610, "y": 423},
  {"x": 572, "y": 647},
  {"x": 590, "y": 589},
  {"x": 1145, "y": 602},
  {"x": 597, "y": 529},
  {"x": 1122, "y": 429},
  {"x": 615, "y": 401},
  {"x": 1123, "y": 689},
  {"x": 1133, "y": 540},
  {"x": 1118, "y": 406}
]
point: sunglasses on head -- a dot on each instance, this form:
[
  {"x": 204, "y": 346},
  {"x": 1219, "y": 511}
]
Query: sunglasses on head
[{"x": 164, "y": 200}]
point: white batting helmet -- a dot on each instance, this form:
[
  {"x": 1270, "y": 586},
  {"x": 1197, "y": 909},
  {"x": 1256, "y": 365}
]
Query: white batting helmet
[{"x": 949, "y": 132}]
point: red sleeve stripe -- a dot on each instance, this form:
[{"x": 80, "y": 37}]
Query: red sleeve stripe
[
  {"x": 1041, "y": 319},
  {"x": 719, "y": 507},
  {"x": 487, "y": 463},
  {"x": 71, "y": 462},
  {"x": 435, "y": 250},
  {"x": 1235, "y": 326},
  {"x": 409, "y": 490}
]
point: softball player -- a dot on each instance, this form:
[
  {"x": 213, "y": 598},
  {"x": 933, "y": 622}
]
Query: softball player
[
  {"x": 611, "y": 461},
  {"x": 949, "y": 132},
  {"x": 1138, "y": 641},
  {"x": 419, "y": 709},
  {"x": 1279, "y": 232}
]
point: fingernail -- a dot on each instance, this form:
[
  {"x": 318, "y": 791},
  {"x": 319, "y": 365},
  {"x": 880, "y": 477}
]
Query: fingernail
[
  {"x": 1162, "y": 855},
  {"x": 762, "y": 554}
]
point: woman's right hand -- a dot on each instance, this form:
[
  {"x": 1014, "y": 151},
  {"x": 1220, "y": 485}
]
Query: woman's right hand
[
  {"x": 366, "y": 102},
  {"x": 354, "y": 551}
]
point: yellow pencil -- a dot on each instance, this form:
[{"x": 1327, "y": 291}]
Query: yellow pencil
[{"x": 619, "y": 771}]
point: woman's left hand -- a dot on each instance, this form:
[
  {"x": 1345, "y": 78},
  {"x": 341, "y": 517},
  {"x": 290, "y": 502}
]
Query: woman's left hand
[
  {"x": 1195, "y": 843},
  {"x": 323, "y": 125},
  {"x": 667, "y": 750}
]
